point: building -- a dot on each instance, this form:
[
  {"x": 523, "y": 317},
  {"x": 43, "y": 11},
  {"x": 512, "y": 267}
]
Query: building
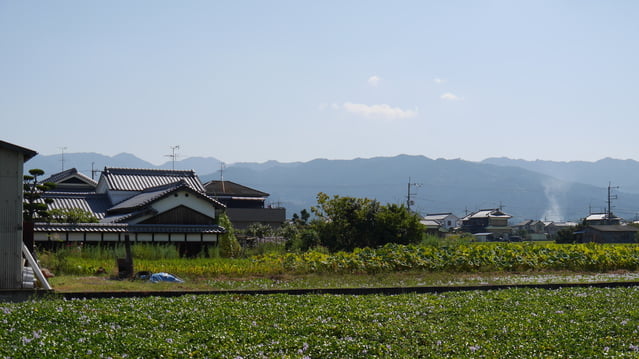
[
  {"x": 487, "y": 221},
  {"x": 533, "y": 230},
  {"x": 12, "y": 159},
  {"x": 147, "y": 205},
  {"x": 609, "y": 234},
  {"x": 602, "y": 219},
  {"x": 245, "y": 205},
  {"x": 447, "y": 221},
  {"x": 553, "y": 228}
]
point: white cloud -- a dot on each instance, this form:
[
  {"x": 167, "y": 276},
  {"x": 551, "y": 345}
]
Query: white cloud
[
  {"x": 449, "y": 96},
  {"x": 438, "y": 80},
  {"x": 374, "y": 80},
  {"x": 378, "y": 111}
]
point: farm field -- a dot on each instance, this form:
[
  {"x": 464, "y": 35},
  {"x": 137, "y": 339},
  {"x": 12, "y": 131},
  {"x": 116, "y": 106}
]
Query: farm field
[
  {"x": 67, "y": 283},
  {"x": 514, "y": 323}
]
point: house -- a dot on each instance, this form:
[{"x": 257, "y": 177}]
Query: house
[
  {"x": 245, "y": 205},
  {"x": 148, "y": 205},
  {"x": 447, "y": 221},
  {"x": 553, "y": 228},
  {"x": 72, "y": 181},
  {"x": 609, "y": 234},
  {"x": 432, "y": 226},
  {"x": 12, "y": 158},
  {"x": 533, "y": 230},
  {"x": 485, "y": 221},
  {"x": 602, "y": 219}
]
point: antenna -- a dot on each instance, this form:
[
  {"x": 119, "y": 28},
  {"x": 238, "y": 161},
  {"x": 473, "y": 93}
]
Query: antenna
[
  {"x": 222, "y": 167},
  {"x": 173, "y": 155},
  {"x": 409, "y": 200},
  {"x": 610, "y": 198},
  {"x": 62, "y": 156}
]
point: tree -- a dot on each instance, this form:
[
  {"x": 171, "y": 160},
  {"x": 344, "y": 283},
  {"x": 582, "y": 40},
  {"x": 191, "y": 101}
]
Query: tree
[
  {"x": 229, "y": 245},
  {"x": 34, "y": 205},
  {"x": 72, "y": 215},
  {"x": 345, "y": 223}
]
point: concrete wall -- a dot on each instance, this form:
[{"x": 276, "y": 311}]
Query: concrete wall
[{"x": 11, "y": 170}]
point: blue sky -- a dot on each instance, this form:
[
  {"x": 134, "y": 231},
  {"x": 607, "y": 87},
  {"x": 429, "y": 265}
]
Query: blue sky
[{"x": 298, "y": 80}]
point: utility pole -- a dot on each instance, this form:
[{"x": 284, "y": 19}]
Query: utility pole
[
  {"x": 610, "y": 198},
  {"x": 173, "y": 155},
  {"x": 409, "y": 200}
]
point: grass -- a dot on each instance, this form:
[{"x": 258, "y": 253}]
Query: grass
[{"x": 68, "y": 283}]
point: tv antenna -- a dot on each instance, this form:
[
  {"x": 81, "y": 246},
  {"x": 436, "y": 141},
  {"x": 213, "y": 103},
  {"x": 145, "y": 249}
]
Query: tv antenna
[
  {"x": 409, "y": 200},
  {"x": 173, "y": 155},
  {"x": 222, "y": 168},
  {"x": 62, "y": 156},
  {"x": 610, "y": 198}
]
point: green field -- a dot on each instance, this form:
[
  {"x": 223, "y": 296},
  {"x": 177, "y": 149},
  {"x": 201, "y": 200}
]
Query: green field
[{"x": 516, "y": 323}]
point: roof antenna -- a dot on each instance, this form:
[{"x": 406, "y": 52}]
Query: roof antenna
[
  {"x": 222, "y": 167},
  {"x": 173, "y": 155},
  {"x": 62, "y": 156}
]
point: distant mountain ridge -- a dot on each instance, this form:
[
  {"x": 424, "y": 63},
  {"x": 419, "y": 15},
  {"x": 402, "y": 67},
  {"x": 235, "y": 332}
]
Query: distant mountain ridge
[
  {"x": 86, "y": 162},
  {"x": 622, "y": 173},
  {"x": 527, "y": 190}
]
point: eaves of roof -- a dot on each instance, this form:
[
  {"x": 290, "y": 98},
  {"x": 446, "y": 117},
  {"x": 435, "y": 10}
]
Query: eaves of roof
[
  {"x": 130, "y": 228},
  {"x": 27, "y": 153}
]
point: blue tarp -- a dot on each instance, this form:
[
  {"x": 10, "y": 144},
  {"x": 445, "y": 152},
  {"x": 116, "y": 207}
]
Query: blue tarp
[{"x": 164, "y": 277}]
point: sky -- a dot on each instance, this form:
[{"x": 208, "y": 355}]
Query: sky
[{"x": 252, "y": 81}]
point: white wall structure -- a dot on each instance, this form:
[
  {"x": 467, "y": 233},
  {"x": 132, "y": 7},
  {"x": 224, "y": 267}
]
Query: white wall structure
[{"x": 12, "y": 160}]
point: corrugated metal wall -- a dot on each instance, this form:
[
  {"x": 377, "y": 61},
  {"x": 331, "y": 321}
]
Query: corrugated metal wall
[{"x": 11, "y": 167}]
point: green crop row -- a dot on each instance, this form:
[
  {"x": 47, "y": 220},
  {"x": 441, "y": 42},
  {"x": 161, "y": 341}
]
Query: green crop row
[
  {"x": 463, "y": 258},
  {"x": 474, "y": 257},
  {"x": 518, "y": 323}
]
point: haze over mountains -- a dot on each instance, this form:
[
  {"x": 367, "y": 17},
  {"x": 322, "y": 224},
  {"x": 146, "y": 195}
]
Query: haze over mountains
[{"x": 525, "y": 189}]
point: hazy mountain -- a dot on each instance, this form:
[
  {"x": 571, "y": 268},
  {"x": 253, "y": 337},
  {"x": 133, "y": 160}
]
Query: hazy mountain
[
  {"x": 622, "y": 173},
  {"x": 436, "y": 186},
  {"x": 198, "y": 164},
  {"x": 524, "y": 189},
  {"x": 86, "y": 162}
]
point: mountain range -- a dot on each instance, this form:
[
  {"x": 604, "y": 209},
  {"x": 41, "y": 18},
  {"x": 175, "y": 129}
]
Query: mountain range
[{"x": 544, "y": 190}]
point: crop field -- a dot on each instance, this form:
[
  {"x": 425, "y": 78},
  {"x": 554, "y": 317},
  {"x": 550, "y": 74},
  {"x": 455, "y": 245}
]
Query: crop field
[
  {"x": 474, "y": 257},
  {"x": 514, "y": 323}
]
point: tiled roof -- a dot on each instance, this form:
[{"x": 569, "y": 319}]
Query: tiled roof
[
  {"x": 87, "y": 201},
  {"x": 131, "y": 228},
  {"x": 150, "y": 195},
  {"x": 71, "y": 172},
  {"x": 437, "y": 216},
  {"x": 485, "y": 213},
  {"x": 228, "y": 188},
  {"x": 134, "y": 179}
]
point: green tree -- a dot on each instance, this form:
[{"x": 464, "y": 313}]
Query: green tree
[
  {"x": 229, "y": 245},
  {"x": 259, "y": 230},
  {"x": 345, "y": 223},
  {"x": 34, "y": 205},
  {"x": 72, "y": 215}
]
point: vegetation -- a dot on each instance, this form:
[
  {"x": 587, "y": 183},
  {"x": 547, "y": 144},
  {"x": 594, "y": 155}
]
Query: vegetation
[
  {"x": 34, "y": 206},
  {"x": 346, "y": 223},
  {"x": 71, "y": 215},
  {"x": 228, "y": 243},
  {"x": 531, "y": 323},
  {"x": 454, "y": 257}
]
